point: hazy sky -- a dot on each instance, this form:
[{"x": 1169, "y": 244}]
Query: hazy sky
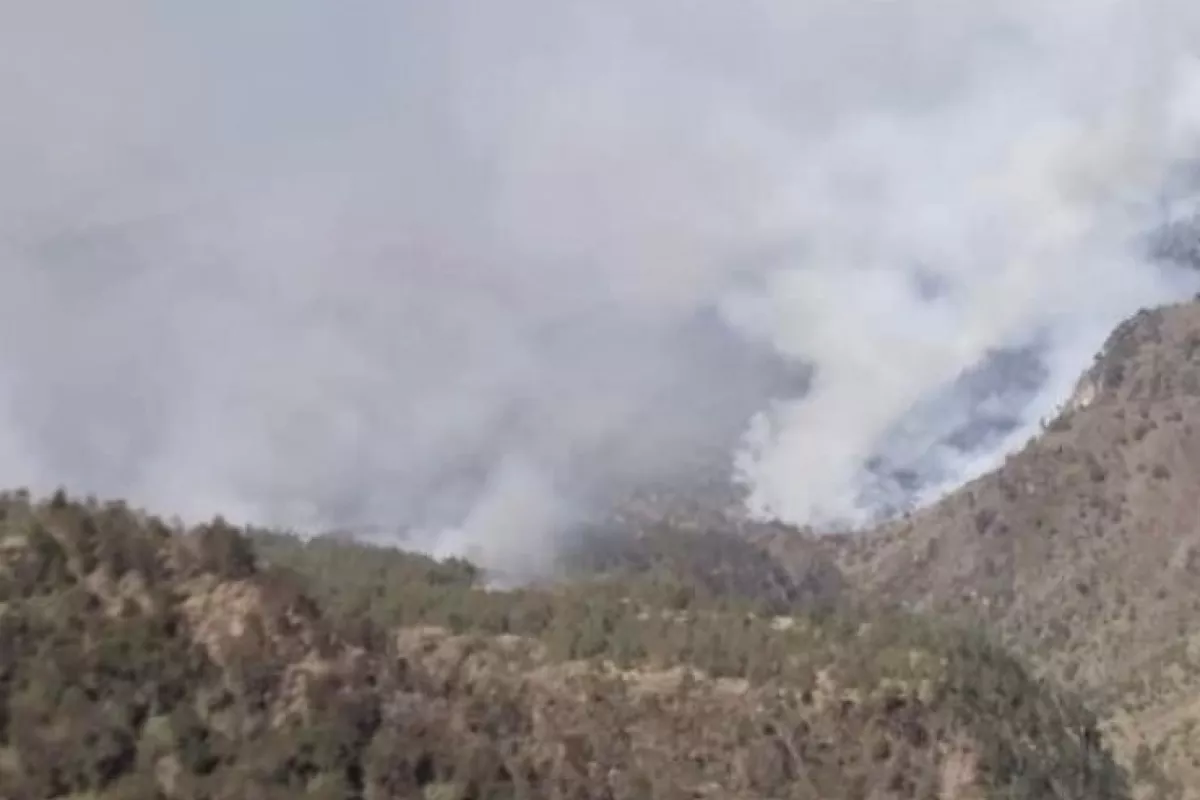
[{"x": 457, "y": 264}]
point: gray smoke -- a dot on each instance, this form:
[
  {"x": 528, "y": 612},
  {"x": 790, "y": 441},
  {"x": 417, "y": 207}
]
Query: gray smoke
[{"x": 472, "y": 269}]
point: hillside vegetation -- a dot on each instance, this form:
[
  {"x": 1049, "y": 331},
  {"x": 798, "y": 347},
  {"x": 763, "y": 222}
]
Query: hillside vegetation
[
  {"x": 1082, "y": 551},
  {"x": 143, "y": 661}
]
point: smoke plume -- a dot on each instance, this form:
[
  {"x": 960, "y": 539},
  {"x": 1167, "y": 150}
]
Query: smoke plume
[{"x": 471, "y": 268}]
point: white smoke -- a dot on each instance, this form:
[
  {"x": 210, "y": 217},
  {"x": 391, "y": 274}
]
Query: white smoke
[
  {"x": 441, "y": 264},
  {"x": 1021, "y": 196}
]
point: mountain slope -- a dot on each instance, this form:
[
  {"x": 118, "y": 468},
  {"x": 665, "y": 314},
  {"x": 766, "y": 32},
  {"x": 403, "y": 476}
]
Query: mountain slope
[
  {"x": 140, "y": 661},
  {"x": 1083, "y": 549}
]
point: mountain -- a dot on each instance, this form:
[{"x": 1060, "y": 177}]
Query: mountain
[
  {"x": 993, "y": 645},
  {"x": 142, "y": 660},
  {"x": 1082, "y": 552}
]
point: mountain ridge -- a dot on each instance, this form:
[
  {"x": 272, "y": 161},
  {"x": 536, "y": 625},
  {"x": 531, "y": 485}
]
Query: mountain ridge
[
  {"x": 1082, "y": 549},
  {"x": 1033, "y": 635}
]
